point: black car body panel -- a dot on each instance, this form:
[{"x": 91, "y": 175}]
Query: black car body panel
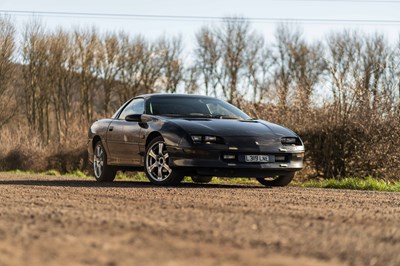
[{"x": 125, "y": 143}]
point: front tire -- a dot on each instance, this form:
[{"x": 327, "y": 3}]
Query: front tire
[
  {"x": 102, "y": 171},
  {"x": 280, "y": 181},
  {"x": 157, "y": 166}
]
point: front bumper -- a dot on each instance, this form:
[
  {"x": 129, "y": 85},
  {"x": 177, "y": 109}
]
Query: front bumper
[{"x": 209, "y": 160}]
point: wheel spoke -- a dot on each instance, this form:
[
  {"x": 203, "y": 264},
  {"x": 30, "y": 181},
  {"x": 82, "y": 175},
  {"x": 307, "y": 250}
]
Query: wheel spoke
[
  {"x": 152, "y": 155},
  {"x": 160, "y": 148},
  {"x": 99, "y": 152},
  {"x": 159, "y": 174},
  {"x": 166, "y": 167},
  {"x": 166, "y": 155},
  {"x": 151, "y": 167},
  {"x": 98, "y": 168}
]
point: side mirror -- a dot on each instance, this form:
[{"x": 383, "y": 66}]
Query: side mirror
[{"x": 134, "y": 118}]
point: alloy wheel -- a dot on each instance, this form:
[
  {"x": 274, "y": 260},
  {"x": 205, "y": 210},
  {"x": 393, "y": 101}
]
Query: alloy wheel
[
  {"x": 98, "y": 161},
  {"x": 157, "y": 162}
]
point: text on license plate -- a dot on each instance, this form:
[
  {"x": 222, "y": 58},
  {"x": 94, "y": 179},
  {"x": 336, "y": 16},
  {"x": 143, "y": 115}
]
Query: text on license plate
[{"x": 256, "y": 158}]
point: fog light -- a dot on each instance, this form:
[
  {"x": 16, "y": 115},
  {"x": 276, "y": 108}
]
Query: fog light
[{"x": 229, "y": 156}]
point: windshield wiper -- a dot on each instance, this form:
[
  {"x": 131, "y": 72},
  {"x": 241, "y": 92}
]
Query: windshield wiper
[
  {"x": 173, "y": 115},
  {"x": 200, "y": 115},
  {"x": 197, "y": 115},
  {"x": 225, "y": 117}
]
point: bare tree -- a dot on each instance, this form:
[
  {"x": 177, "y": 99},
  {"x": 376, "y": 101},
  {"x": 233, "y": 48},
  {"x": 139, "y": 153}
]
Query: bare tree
[
  {"x": 36, "y": 88},
  {"x": 141, "y": 66},
  {"x": 306, "y": 67},
  {"x": 108, "y": 67},
  {"x": 374, "y": 59},
  {"x": 344, "y": 67},
  {"x": 151, "y": 66},
  {"x": 207, "y": 59},
  {"x": 129, "y": 64},
  {"x": 62, "y": 81},
  {"x": 233, "y": 37},
  {"x": 221, "y": 56},
  {"x": 299, "y": 68},
  {"x": 86, "y": 48},
  {"x": 191, "y": 79},
  {"x": 172, "y": 63},
  {"x": 7, "y": 70},
  {"x": 258, "y": 62}
]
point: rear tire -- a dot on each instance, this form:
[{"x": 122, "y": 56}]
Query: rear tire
[
  {"x": 102, "y": 171},
  {"x": 156, "y": 165},
  {"x": 201, "y": 178},
  {"x": 280, "y": 181}
]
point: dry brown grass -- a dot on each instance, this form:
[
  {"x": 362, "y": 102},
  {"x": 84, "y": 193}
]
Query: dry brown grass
[
  {"x": 361, "y": 143},
  {"x": 23, "y": 149}
]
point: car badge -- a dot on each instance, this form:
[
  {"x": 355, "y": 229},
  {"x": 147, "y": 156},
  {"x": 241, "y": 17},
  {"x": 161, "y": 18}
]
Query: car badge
[{"x": 257, "y": 143}]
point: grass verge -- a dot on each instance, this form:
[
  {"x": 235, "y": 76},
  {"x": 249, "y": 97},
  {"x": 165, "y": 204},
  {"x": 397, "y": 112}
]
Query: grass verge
[{"x": 368, "y": 183}]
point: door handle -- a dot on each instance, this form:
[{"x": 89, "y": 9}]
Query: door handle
[{"x": 110, "y": 128}]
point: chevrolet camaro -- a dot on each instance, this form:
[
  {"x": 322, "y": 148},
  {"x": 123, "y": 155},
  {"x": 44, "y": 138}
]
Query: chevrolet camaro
[{"x": 169, "y": 136}]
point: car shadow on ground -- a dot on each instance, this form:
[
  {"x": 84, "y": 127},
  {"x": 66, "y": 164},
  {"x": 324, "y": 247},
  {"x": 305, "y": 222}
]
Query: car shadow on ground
[{"x": 116, "y": 184}]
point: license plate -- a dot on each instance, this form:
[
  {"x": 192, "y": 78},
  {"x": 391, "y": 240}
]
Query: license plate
[{"x": 256, "y": 158}]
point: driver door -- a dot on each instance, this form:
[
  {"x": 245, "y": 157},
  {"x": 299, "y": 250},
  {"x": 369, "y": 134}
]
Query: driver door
[{"x": 123, "y": 137}]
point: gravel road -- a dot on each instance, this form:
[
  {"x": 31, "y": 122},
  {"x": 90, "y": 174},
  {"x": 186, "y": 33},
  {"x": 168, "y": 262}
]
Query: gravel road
[{"x": 47, "y": 220}]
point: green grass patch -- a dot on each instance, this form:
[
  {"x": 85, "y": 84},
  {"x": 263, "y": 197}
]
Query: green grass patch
[
  {"x": 133, "y": 176},
  {"x": 51, "y": 172},
  {"x": 20, "y": 172},
  {"x": 368, "y": 183},
  {"x": 77, "y": 173},
  {"x": 234, "y": 181}
]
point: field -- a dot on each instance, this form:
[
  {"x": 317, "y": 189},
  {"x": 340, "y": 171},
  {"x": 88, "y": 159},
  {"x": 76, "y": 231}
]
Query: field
[
  {"x": 58, "y": 220},
  {"x": 340, "y": 94}
]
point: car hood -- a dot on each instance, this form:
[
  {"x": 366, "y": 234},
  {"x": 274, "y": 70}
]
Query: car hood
[{"x": 231, "y": 127}]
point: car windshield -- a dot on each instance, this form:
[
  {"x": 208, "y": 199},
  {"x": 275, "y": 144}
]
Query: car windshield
[{"x": 193, "y": 107}]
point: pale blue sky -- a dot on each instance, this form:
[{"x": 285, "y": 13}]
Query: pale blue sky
[{"x": 311, "y": 9}]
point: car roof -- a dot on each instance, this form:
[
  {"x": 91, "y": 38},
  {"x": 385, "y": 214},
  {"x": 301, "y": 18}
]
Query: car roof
[{"x": 172, "y": 95}]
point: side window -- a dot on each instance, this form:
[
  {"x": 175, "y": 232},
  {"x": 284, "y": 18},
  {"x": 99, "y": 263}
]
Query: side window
[{"x": 136, "y": 106}]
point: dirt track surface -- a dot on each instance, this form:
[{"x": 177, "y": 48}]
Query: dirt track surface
[{"x": 48, "y": 220}]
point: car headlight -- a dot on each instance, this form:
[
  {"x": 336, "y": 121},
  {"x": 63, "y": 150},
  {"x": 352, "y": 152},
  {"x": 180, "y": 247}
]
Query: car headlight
[
  {"x": 206, "y": 139},
  {"x": 210, "y": 139},
  {"x": 196, "y": 138},
  {"x": 290, "y": 141}
]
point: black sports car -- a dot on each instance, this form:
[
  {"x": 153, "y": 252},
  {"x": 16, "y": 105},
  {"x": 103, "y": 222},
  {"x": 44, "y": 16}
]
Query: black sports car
[{"x": 170, "y": 136}]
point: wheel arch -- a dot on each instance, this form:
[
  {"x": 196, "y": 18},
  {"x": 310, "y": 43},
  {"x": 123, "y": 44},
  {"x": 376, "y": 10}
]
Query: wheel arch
[
  {"x": 152, "y": 136},
  {"x": 95, "y": 140}
]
